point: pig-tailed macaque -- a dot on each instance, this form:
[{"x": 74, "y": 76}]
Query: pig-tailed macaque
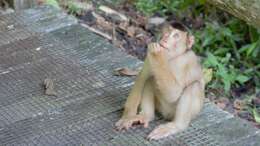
[{"x": 170, "y": 82}]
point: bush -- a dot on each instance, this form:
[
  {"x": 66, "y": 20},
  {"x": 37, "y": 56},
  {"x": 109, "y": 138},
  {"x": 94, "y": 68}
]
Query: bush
[{"x": 227, "y": 45}]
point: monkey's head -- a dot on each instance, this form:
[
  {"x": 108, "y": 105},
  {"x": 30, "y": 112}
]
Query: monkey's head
[{"x": 176, "y": 39}]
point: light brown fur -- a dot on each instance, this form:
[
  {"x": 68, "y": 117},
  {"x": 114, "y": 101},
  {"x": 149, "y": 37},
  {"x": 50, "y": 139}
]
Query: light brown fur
[{"x": 170, "y": 82}]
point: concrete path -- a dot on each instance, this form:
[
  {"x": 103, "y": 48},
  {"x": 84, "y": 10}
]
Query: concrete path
[{"x": 45, "y": 43}]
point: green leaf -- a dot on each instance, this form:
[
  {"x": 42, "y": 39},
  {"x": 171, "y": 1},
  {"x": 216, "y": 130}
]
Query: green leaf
[
  {"x": 53, "y": 3},
  {"x": 254, "y": 35},
  {"x": 251, "y": 49},
  {"x": 256, "y": 115},
  {"x": 242, "y": 78},
  {"x": 227, "y": 84},
  {"x": 74, "y": 8},
  {"x": 208, "y": 40},
  {"x": 227, "y": 32},
  {"x": 248, "y": 49},
  {"x": 222, "y": 71},
  {"x": 212, "y": 59},
  {"x": 202, "y": 2},
  {"x": 221, "y": 51}
]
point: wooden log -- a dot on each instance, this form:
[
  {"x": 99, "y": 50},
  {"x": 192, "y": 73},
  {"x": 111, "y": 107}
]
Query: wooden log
[{"x": 247, "y": 10}]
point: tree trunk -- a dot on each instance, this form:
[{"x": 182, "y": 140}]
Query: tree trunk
[{"x": 247, "y": 10}]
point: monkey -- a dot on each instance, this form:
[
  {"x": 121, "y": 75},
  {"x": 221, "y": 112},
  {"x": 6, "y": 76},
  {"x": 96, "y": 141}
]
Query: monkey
[{"x": 170, "y": 82}]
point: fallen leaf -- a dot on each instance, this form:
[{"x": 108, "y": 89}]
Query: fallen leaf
[
  {"x": 49, "y": 87},
  {"x": 256, "y": 115},
  {"x": 105, "y": 25},
  {"x": 113, "y": 13},
  {"x": 131, "y": 31},
  {"x": 125, "y": 72},
  {"x": 207, "y": 74},
  {"x": 222, "y": 102},
  {"x": 123, "y": 26},
  {"x": 238, "y": 104},
  {"x": 101, "y": 21}
]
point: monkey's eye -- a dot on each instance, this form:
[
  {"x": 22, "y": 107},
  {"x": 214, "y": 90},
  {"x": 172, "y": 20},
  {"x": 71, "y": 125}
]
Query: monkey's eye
[{"x": 174, "y": 35}]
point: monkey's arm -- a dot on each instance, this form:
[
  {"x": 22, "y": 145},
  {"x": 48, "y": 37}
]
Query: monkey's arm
[
  {"x": 165, "y": 78},
  {"x": 134, "y": 98},
  {"x": 191, "y": 68}
]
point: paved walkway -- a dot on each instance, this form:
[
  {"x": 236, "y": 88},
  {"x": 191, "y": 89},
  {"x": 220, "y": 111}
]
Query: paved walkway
[{"x": 44, "y": 43}]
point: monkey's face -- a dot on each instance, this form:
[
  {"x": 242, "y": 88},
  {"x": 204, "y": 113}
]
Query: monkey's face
[{"x": 176, "y": 41}]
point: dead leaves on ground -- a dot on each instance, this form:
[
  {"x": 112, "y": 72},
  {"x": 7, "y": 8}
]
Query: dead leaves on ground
[
  {"x": 49, "y": 87},
  {"x": 239, "y": 104},
  {"x": 222, "y": 102},
  {"x": 125, "y": 72}
]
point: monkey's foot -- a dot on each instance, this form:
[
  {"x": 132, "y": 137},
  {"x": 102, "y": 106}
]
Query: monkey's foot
[
  {"x": 126, "y": 123},
  {"x": 162, "y": 131}
]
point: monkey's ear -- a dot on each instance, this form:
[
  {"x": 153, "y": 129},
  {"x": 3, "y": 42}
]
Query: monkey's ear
[{"x": 190, "y": 41}]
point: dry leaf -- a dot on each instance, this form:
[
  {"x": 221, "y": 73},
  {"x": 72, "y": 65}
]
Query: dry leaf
[
  {"x": 131, "y": 31},
  {"x": 123, "y": 26},
  {"x": 207, "y": 74},
  {"x": 125, "y": 72},
  {"x": 222, "y": 102},
  {"x": 101, "y": 21},
  {"x": 49, "y": 87},
  {"x": 113, "y": 13},
  {"x": 238, "y": 104}
]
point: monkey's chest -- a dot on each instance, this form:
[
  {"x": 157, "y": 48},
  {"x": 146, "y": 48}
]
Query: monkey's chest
[{"x": 181, "y": 72}]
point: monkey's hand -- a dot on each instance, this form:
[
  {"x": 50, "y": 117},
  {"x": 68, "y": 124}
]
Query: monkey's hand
[
  {"x": 162, "y": 131},
  {"x": 126, "y": 123},
  {"x": 156, "y": 55},
  {"x": 154, "y": 48}
]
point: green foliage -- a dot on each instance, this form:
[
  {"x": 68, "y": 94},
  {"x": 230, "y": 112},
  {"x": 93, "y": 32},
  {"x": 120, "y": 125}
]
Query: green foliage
[
  {"x": 73, "y": 8},
  {"x": 229, "y": 46},
  {"x": 256, "y": 115},
  {"x": 149, "y": 7},
  {"x": 228, "y": 75},
  {"x": 233, "y": 59},
  {"x": 53, "y": 3}
]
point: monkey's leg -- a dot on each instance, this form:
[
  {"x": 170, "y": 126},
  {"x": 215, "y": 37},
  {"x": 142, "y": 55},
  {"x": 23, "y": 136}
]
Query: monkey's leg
[
  {"x": 134, "y": 98},
  {"x": 147, "y": 103},
  {"x": 147, "y": 110},
  {"x": 187, "y": 108}
]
